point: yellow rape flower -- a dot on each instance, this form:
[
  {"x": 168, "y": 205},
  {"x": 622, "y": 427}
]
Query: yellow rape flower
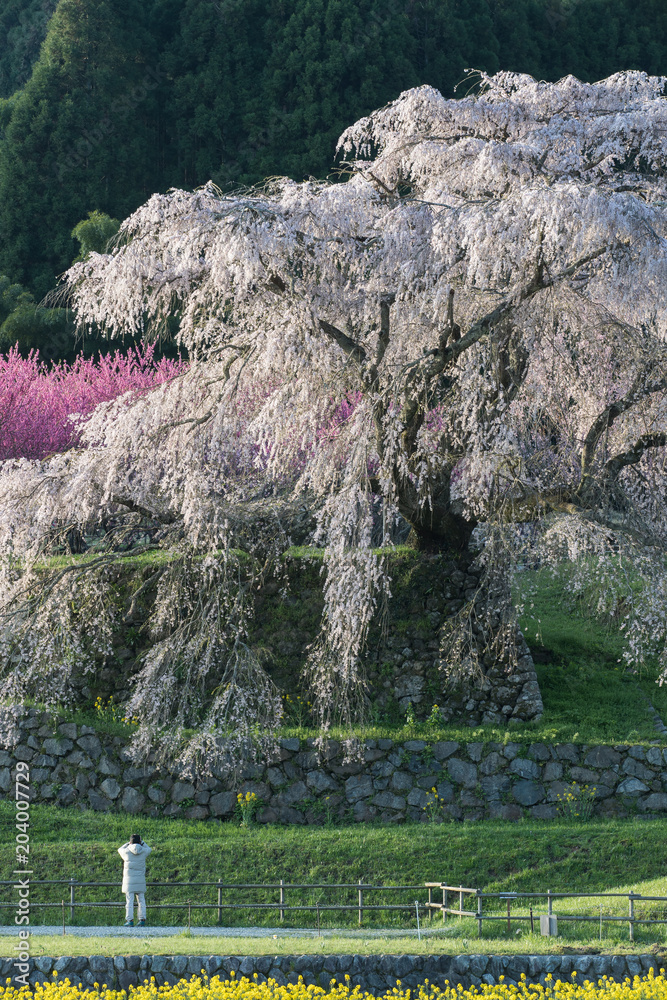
[{"x": 650, "y": 987}]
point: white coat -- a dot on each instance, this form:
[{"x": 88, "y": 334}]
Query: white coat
[{"x": 134, "y": 866}]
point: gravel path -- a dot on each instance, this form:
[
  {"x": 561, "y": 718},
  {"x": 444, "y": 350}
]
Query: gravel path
[{"x": 235, "y": 932}]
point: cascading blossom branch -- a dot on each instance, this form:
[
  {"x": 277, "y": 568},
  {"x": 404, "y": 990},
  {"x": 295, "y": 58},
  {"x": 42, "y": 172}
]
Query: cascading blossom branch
[{"x": 469, "y": 332}]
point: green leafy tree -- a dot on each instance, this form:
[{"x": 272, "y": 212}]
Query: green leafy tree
[
  {"x": 33, "y": 328},
  {"x": 94, "y": 233},
  {"x": 12, "y": 296},
  {"x": 28, "y": 326},
  {"x": 262, "y": 88}
]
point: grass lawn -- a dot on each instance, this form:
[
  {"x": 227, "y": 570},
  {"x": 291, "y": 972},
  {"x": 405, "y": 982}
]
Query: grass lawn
[
  {"x": 432, "y": 943},
  {"x": 588, "y": 693}
]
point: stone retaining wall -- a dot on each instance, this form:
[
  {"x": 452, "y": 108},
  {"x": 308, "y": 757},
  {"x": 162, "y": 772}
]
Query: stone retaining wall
[
  {"x": 72, "y": 765},
  {"x": 371, "y": 972}
]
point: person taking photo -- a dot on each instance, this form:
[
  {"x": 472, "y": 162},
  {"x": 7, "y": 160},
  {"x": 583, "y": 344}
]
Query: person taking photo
[{"x": 134, "y": 854}]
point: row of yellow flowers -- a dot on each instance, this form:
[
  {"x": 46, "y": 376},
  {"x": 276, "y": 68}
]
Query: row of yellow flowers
[{"x": 650, "y": 987}]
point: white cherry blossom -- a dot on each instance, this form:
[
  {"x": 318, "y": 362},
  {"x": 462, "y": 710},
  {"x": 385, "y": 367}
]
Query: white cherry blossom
[{"x": 466, "y": 331}]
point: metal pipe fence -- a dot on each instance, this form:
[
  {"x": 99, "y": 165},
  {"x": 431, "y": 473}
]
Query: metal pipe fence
[
  {"x": 361, "y": 898},
  {"x": 360, "y": 891},
  {"x": 549, "y": 896}
]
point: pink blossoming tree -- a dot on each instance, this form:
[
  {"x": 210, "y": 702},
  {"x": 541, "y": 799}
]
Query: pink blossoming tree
[
  {"x": 466, "y": 335},
  {"x": 42, "y": 406}
]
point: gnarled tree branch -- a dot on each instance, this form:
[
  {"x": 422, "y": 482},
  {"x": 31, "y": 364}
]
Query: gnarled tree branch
[
  {"x": 615, "y": 465},
  {"x": 137, "y": 508},
  {"x": 353, "y": 350},
  {"x": 642, "y": 387}
]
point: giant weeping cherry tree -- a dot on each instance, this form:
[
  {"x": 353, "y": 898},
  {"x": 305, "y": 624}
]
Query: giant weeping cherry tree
[{"x": 462, "y": 336}]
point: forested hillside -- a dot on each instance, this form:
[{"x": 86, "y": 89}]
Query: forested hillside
[
  {"x": 23, "y": 25},
  {"x": 129, "y": 97}
]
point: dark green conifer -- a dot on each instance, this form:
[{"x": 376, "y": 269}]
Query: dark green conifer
[{"x": 82, "y": 131}]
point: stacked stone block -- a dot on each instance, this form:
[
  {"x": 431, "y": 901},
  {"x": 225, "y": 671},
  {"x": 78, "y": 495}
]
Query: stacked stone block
[
  {"x": 376, "y": 973},
  {"x": 388, "y": 781}
]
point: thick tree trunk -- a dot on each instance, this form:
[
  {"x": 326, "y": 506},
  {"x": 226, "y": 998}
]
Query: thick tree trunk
[
  {"x": 436, "y": 526},
  {"x": 448, "y": 537},
  {"x": 486, "y": 670}
]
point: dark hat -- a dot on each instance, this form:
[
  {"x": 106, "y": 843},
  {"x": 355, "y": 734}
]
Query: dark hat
[{"x": 135, "y": 839}]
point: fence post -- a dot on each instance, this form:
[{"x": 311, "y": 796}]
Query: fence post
[
  {"x": 62, "y": 903},
  {"x": 430, "y": 903},
  {"x": 550, "y": 903},
  {"x": 282, "y": 900},
  {"x": 479, "y": 912},
  {"x": 460, "y": 901},
  {"x": 361, "y": 903},
  {"x": 444, "y": 906},
  {"x": 72, "y": 883},
  {"x": 189, "y": 914},
  {"x": 219, "y": 901},
  {"x": 631, "y": 914}
]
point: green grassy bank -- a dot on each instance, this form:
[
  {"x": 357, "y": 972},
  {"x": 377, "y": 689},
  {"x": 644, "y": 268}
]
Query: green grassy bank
[
  {"x": 493, "y": 855},
  {"x": 587, "y": 690}
]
